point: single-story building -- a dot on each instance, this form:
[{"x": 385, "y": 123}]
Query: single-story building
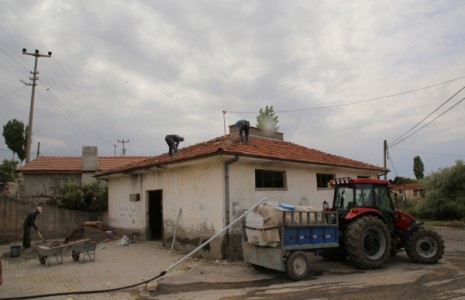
[
  {"x": 412, "y": 191},
  {"x": 44, "y": 175},
  {"x": 205, "y": 187}
]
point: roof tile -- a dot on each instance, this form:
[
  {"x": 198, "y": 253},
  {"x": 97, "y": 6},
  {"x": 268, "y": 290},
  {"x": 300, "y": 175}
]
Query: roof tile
[
  {"x": 73, "y": 164},
  {"x": 257, "y": 147}
]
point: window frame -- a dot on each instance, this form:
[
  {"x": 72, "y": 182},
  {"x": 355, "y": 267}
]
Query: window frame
[
  {"x": 319, "y": 180},
  {"x": 261, "y": 182}
]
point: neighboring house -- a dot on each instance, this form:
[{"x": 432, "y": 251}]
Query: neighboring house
[
  {"x": 413, "y": 191},
  {"x": 205, "y": 187},
  {"x": 44, "y": 175}
]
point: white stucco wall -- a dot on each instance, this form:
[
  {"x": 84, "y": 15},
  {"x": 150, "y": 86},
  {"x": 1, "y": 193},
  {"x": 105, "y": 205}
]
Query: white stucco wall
[
  {"x": 123, "y": 213},
  {"x": 301, "y": 183},
  {"x": 198, "y": 188}
]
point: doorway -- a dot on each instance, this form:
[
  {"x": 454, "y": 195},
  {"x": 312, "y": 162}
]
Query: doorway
[{"x": 155, "y": 215}]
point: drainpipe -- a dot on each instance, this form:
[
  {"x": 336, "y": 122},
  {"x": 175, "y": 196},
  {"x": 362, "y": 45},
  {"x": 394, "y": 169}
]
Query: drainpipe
[
  {"x": 226, "y": 187},
  {"x": 226, "y": 239}
]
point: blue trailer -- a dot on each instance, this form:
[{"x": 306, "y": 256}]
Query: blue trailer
[{"x": 299, "y": 231}]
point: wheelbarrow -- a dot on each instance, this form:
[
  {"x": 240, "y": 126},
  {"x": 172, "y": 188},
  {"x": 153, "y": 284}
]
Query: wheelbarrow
[
  {"x": 83, "y": 249},
  {"x": 55, "y": 250},
  {"x": 46, "y": 252}
]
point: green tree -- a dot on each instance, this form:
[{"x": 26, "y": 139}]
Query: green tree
[
  {"x": 445, "y": 194},
  {"x": 15, "y": 133},
  {"x": 418, "y": 168},
  {"x": 267, "y": 120},
  {"x": 402, "y": 180},
  {"x": 7, "y": 170}
]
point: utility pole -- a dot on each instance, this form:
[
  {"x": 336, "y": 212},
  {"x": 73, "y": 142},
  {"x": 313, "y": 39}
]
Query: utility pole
[
  {"x": 123, "y": 142},
  {"x": 385, "y": 148},
  {"x": 34, "y": 78}
]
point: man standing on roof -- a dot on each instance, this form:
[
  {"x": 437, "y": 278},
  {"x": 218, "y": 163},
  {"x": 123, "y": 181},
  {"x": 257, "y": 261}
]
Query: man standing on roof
[
  {"x": 243, "y": 126},
  {"x": 29, "y": 222},
  {"x": 173, "y": 141}
]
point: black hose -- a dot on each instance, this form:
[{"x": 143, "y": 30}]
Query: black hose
[{"x": 86, "y": 292}]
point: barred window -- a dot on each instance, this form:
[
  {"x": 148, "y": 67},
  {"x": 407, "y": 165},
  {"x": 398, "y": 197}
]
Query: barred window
[{"x": 270, "y": 179}]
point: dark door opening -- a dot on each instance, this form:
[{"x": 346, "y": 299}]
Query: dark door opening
[{"x": 155, "y": 214}]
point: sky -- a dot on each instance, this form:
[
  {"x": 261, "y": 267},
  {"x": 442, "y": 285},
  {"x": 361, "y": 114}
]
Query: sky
[{"x": 342, "y": 76}]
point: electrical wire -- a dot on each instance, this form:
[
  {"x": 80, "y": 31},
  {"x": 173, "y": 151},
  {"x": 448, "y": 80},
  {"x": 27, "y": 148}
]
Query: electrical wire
[
  {"x": 357, "y": 102},
  {"x": 424, "y": 152},
  {"x": 11, "y": 93},
  {"x": 392, "y": 163},
  {"x": 429, "y": 122},
  {"x": 399, "y": 139}
]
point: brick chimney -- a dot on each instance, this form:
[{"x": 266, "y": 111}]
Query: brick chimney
[
  {"x": 253, "y": 131},
  {"x": 89, "y": 163}
]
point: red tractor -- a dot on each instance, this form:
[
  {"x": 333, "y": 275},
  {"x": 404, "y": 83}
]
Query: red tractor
[{"x": 372, "y": 228}]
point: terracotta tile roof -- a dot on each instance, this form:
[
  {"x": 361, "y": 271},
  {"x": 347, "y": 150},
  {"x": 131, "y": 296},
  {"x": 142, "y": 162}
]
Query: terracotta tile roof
[
  {"x": 73, "y": 164},
  {"x": 408, "y": 186},
  {"x": 257, "y": 147}
]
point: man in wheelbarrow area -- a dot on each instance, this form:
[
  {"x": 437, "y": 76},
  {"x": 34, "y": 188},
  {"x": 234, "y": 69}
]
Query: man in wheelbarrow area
[{"x": 29, "y": 222}]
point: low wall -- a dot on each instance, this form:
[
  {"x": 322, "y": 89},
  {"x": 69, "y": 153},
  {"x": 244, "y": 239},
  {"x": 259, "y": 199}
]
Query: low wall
[{"x": 53, "y": 222}]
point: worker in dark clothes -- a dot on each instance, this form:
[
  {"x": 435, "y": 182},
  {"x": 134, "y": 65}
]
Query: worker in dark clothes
[
  {"x": 173, "y": 141},
  {"x": 29, "y": 222},
  {"x": 243, "y": 126}
]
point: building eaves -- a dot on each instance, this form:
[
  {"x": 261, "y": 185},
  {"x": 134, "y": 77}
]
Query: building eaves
[{"x": 257, "y": 147}]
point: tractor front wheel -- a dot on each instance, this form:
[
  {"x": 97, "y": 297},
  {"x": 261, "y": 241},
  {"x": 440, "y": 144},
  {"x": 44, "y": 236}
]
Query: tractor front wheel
[
  {"x": 367, "y": 242},
  {"x": 425, "y": 246}
]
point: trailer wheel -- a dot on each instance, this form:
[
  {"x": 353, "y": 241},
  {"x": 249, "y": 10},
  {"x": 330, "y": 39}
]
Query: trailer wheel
[
  {"x": 297, "y": 265},
  {"x": 42, "y": 260},
  {"x": 367, "y": 242},
  {"x": 425, "y": 246},
  {"x": 75, "y": 255}
]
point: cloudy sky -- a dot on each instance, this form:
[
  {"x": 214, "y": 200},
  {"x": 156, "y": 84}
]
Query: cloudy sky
[{"x": 342, "y": 76}]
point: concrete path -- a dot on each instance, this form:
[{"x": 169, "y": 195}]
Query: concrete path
[{"x": 114, "y": 266}]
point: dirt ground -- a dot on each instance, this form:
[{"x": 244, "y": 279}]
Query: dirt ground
[
  {"x": 398, "y": 279},
  {"x": 205, "y": 279}
]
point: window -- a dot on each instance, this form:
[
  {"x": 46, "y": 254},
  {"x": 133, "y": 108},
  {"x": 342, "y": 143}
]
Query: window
[
  {"x": 322, "y": 180},
  {"x": 269, "y": 179}
]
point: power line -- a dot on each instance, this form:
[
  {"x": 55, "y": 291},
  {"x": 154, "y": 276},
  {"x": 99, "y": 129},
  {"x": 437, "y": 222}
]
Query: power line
[
  {"x": 425, "y": 152},
  {"x": 392, "y": 163},
  {"x": 11, "y": 93},
  {"x": 429, "y": 122},
  {"x": 359, "y": 101},
  {"x": 398, "y": 140}
]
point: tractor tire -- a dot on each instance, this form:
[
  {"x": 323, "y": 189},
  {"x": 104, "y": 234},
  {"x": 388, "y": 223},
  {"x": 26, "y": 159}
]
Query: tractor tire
[
  {"x": 425, "y": 246},
  {"x": 297, "y": 265},
  {"x": 367, "y": 242}
]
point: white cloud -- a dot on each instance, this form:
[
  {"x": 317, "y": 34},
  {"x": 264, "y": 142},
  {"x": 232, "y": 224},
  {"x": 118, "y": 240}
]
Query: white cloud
[{"x": 140, "y": 70}]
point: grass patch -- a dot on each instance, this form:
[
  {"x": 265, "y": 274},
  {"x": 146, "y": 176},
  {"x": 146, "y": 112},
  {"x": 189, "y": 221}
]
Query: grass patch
[{"x": 453, "y": 224}]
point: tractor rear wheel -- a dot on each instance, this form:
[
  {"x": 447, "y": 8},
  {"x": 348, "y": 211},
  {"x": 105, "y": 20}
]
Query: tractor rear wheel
[
  {"x": 367, "y": 242},
  {"x": 425, "y": 246},
  {"x": 297, "y": 265}
]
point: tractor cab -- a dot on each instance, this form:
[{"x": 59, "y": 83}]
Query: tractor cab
[{"x": 359, "y": 196}]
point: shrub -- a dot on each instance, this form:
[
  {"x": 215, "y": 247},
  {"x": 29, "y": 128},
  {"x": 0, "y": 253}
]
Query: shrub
[{"x": 88, "y": 197}]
